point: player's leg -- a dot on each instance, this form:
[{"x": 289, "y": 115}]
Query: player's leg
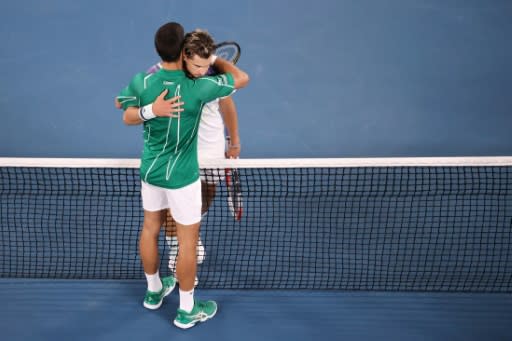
[
  {"x": 207, "y": 195},
  {"x": 153, "y": 201},
  {"x": 191, "y": 311},
  {"x": 186, "y": 210},
  {"x": 148, "y": 243},
  {"x": 186, "y": 267},
  {"x": 171, "y": 238}
]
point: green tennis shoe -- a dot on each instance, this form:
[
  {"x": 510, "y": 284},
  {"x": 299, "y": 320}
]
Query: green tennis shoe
[
  {"x": 153, "y": 300},
  {"x": 202, "y": 311}
]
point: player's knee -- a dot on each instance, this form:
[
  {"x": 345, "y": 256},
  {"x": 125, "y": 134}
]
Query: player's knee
[{"x": 151, "y": 227}]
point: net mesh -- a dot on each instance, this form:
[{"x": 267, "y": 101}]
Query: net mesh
[{"x": 403, "y": 228}]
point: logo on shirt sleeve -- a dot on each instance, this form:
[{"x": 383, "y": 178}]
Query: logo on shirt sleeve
[{"x": 222, "y": 80}]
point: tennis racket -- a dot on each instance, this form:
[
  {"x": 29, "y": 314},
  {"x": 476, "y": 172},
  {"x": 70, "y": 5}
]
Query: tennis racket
[
  {"x": 234, "y": 189},
  {"x": 228, "y": 50}
]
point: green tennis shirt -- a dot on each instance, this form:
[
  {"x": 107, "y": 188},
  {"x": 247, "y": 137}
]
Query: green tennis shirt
[{"x": 169, "y": 157}]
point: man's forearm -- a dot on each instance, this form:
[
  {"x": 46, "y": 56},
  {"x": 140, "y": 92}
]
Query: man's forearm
[
  {"x": 230, "y": 117},
  {"x": 131, "y": 116},
  {"x": 159, "y": 108},
  {"x": 240, "y": 77}
]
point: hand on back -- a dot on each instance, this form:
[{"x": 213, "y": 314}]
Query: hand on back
[{"x": 171, "y": 107}]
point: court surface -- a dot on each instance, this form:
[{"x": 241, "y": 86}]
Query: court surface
[
  {"x": 404, "y": 78},
  {"x": 112, "y": 310}
]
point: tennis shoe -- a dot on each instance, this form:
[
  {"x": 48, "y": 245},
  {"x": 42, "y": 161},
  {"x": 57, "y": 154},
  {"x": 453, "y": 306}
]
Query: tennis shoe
[
  {"x": 202, "y": 311},
  {"x": 153, "y": 300}
]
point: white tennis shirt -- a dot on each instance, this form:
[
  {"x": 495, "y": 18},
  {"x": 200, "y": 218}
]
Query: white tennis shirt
[{"x": 210, "y": 135}]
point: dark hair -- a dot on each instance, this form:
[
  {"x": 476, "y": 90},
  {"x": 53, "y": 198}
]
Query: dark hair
[
  {"x": 169, "y": 40},
  {"x": 198, "y": 43}
]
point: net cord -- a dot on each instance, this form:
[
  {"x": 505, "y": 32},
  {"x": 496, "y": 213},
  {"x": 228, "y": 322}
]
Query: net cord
[{"x": 269, "y": 163}]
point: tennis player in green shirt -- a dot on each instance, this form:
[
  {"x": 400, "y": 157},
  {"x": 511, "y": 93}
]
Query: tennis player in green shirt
[{"x": 170, "y": 104}]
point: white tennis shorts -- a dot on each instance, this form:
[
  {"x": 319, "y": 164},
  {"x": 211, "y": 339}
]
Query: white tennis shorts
[
  {"x": 184, "y": 203},
  {"x": 212, "y": 176}
]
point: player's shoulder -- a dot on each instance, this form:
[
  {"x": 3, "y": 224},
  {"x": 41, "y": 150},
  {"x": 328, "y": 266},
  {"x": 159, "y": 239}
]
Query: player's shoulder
[
  {"x": 144, "y": 79},
  {"x": 154, "y": 68},
  {"x": 139, "y": 77},
  {"x": 224, "y": 79}
]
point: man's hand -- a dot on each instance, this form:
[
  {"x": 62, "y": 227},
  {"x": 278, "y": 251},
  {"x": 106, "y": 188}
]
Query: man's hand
[
  {"x": 233, "y": 151},
  {"x": 160, "y": 108},
  {"x": 167, "y": 108}
]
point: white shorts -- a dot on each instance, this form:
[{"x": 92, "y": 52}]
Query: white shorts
[
  {"x": 184, "y": 203},
  {"x": 212, "y": 176},
  {"x": 214, "y": 151}
]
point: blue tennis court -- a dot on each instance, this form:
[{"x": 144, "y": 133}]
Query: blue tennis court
[
  {"x": 112, "y": 310},
  {"x": 336, "y": 242},
  {"x": 397, "y": 250}
]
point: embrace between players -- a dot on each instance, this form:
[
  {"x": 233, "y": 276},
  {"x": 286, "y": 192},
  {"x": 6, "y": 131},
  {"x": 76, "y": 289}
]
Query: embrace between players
[{"x": 175, "y": 103}]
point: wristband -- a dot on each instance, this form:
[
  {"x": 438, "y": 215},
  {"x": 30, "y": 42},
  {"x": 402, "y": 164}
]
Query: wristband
[
  {"x": 146, "y": 112},
  {"x": 213, "y": 58},
  {"x": 237, "y": 145}
]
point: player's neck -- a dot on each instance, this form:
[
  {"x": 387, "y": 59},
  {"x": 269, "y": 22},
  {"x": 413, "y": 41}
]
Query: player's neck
[{"x": 171, "y": 65}]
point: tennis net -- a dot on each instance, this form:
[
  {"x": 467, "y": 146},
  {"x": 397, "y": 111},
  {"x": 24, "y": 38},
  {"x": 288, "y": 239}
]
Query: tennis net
[{"x": 400, "y": 224}]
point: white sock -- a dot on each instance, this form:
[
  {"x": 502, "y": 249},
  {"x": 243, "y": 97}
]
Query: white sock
[
  {"x": 172, "y": 242},
  {"x": 154, "y": 282},
  {"x": 187, "y": 300}
]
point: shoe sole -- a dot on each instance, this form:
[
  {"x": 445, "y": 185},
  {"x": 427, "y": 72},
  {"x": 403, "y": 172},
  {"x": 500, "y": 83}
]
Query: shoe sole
[
  {"x": 190, "y": 325},
  {"x": 156, "y": 306}
]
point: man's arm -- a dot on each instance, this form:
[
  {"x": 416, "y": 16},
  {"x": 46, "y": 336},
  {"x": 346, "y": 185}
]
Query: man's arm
[
  {"x": 229, "y": 114},
  {"x": 241, "y": 79},
  {"x": 159, "y": 108}
]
